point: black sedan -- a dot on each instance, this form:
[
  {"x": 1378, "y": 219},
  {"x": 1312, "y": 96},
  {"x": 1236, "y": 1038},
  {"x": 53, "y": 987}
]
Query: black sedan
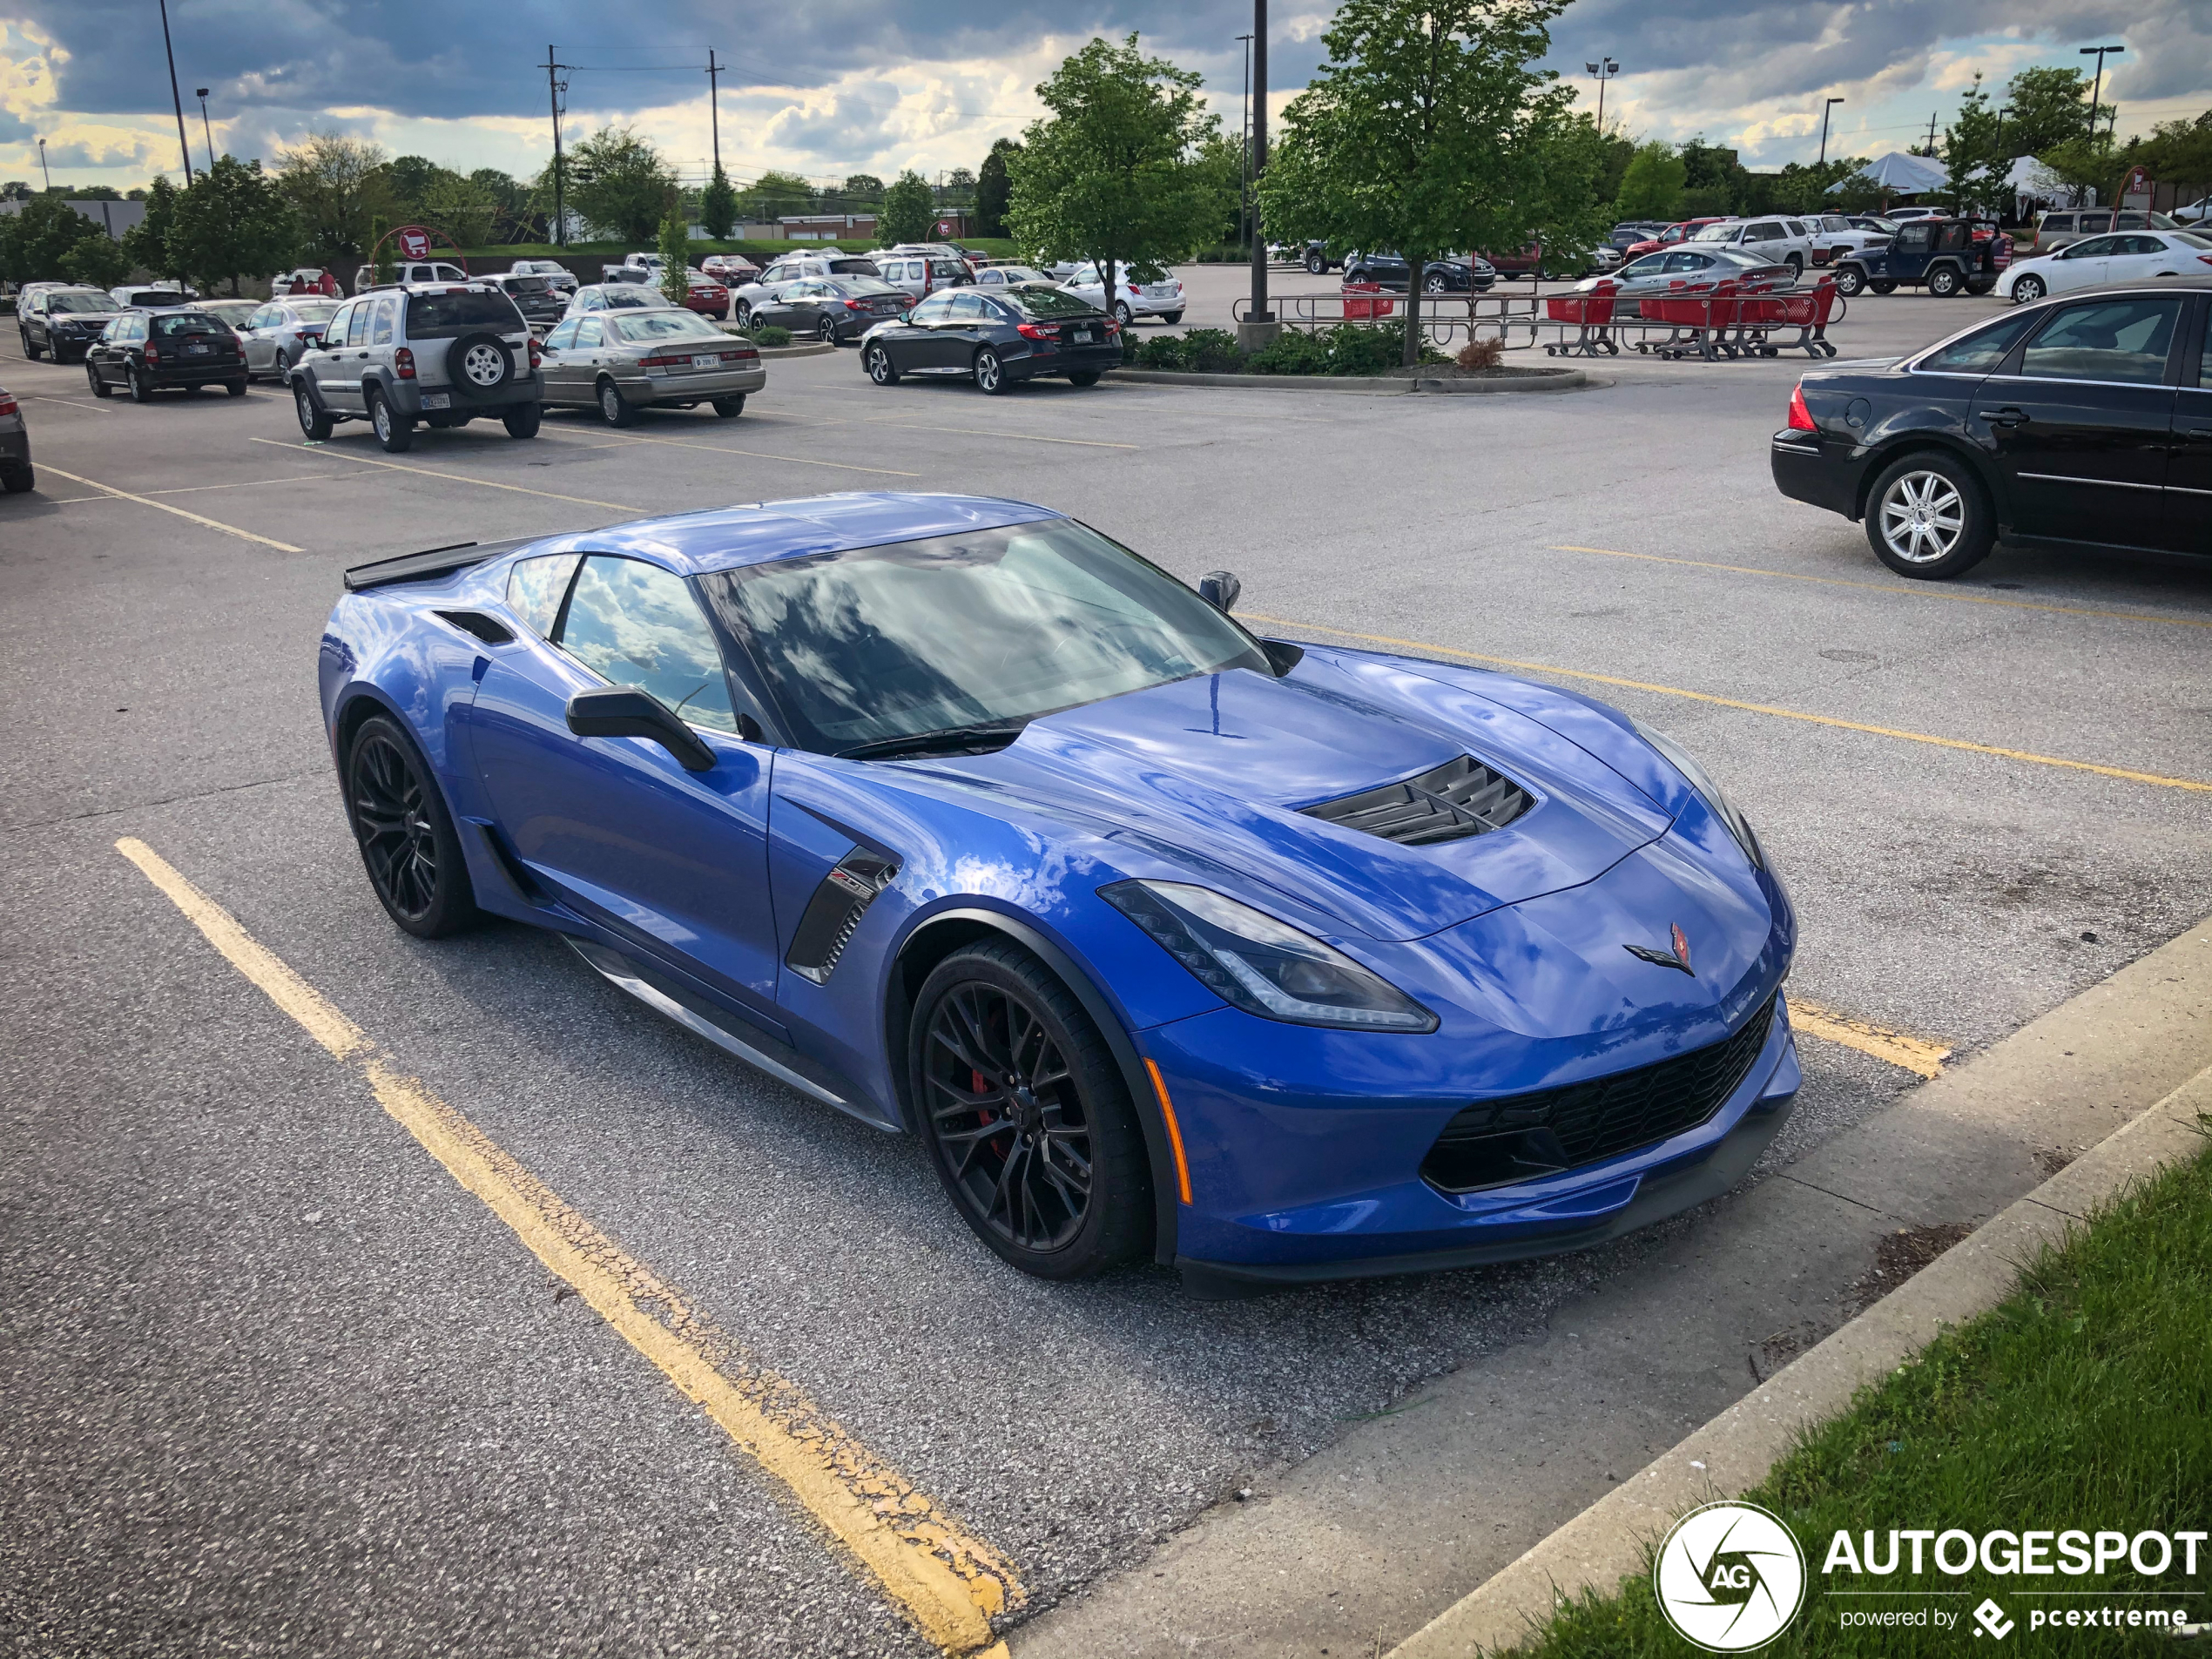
[
  {"x": 2084, "y": 422},
  {"x": 1447, "y": 274},
  {"x": 1000, "y": 339},
  {"x": 833, "y": 309},
  {"x": 145, "y": 351}
]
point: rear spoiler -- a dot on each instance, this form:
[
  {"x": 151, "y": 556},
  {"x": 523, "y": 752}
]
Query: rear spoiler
[{"x": 428, "y": 564}]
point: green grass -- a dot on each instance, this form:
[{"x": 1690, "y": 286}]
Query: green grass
[{"x": 2084, "y": 1400}]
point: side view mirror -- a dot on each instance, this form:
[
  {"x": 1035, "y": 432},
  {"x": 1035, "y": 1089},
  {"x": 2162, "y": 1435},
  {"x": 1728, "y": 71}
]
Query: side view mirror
[
  {"x": 632, "y": 711},
  {"x": 1219, "y": 589}
]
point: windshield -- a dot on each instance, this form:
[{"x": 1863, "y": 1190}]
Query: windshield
[
  {"x": 1049, "y": 302},
  {"x": 980, "y": 627},
  {"x": 315, "y": 310},
  {"x": 1714, "y": 234},
  {"x": 79, "y": 302},
  {"x": 666, "y": 325},
  {"x": 853, "y": 267}
]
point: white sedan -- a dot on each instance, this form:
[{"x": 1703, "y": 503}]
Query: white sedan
[
  {"x": 1145, "y": 292},
  {"x": 2129, "y": 256}
]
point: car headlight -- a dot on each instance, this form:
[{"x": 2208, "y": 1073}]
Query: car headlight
[
  {"x": 1708, "y": 791},
  {"x": 1254, "y": 962}
]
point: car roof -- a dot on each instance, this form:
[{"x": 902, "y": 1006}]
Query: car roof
[{"x": 726, "y": 538}]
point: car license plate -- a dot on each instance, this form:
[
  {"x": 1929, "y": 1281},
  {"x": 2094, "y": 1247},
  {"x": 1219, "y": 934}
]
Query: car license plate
[
  {"x": 1083, "y": 336},
  {"x": 437, "y": 400},
  {"x": 194, "y": 348},
  {"x": 706, "y": 360}
]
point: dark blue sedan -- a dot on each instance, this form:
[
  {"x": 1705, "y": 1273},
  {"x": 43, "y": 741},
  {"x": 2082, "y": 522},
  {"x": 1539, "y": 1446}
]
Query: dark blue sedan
[
  {"x": 998, "y": 339},
  {"x": 1273, "y": 962}
]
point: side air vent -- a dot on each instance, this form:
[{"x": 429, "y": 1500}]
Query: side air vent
[
  {"x": 490, "y": 629},
  {"x": 833, "y": 913},
  {"x": 1461, "y": 798}
]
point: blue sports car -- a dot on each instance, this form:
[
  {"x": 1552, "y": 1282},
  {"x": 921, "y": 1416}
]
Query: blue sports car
[{"x": 1278, "y": 962}]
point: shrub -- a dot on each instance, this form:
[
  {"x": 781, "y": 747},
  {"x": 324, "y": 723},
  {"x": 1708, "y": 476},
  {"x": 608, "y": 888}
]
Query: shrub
[
  {"x": 769, "y": 335},
  {"x": 1481, "y": 353},
  {"x": 1347, "y": 349},
  {"x": 1203, "y": 351}
]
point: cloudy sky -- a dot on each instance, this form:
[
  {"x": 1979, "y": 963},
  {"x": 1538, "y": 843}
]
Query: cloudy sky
[{"x": 842, "y": 86}]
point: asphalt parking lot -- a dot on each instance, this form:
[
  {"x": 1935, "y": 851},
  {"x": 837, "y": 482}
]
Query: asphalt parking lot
[{"x": 280, "y": 1384}]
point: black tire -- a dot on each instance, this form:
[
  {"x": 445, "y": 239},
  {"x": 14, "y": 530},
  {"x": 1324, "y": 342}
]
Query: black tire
[
  {"x": 1880, "y": 284},
  {"x": 730, "y": 407},
  {"x": 1083, "y": 377},
  {"x": 614, "y": 408},
  {"x": 1123, "y": 315},
  {"x": 404, "y": 834},
  {"x": 1848, "y": 280},
  {"x": 1171, "y": 317},
  {"x": 314, "y": 421},
  {"x": 18, "y": 481},
  {"x": 1796, "y": 264},
  {"x": 481, "y": 367},
  {"x": 991, "y": 373},
  {"x": 31, "y": 352},
  {"x": 394, "y": 430},
  {"x": 523, "y": 420},
  {"x": 141, "y": 384},
  {"x": 877, "y": 361},
  {"x": 1316, "y": 264},
  {"x": 2028, "y": 289},
  {"x": 100, "y": 387},
  {"x": 1944, "y": 282},
  {"x": 236, "y": 388},
  {"x": 1928, "y": 518},
  {"x": 1064, "y": 1191},
  {"x": 826, "y": 331}
]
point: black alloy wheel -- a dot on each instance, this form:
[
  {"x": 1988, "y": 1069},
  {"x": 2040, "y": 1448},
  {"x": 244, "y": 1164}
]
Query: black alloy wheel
[
  {"x": 406, "y": 835},
  {"x": 877, "y": 361},
  {"x": 826, "y": 331},
  {"x": 1027, "y": 1117}
]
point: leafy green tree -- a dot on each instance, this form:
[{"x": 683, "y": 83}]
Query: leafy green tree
[
  {"x": 2050, "y": 107},
  {"x": 98, "y": 262},
  {"x": 775, "y": 193},
  {"x": 511, "y": 205},
  {"x": 409, "y": 178},
  {"x": 718, "y": 205},
  {"x": 1117, "y": 173},
  {"x": 909, "y": 209},
  {"x": 337, "y": 185},
  {"x": 461, "y": 207},
  {"x": 1653, "y": 184},
  {"x": 151, "y": 244},
  {"x": 620, "y": 183},
  {"x": 674, "y": 244},
  {"x": 2177, "y": 153},
  {"x": 1975, "y": 152},
  {"x": 16, "y": 190},
  {"x": 1432, "y": 129},
  {"x": 232, "y": 222},
  {"x": 992, "y": 189},
  {"x": 862, "y": 190},
  {"x": 35, "y": 243}
]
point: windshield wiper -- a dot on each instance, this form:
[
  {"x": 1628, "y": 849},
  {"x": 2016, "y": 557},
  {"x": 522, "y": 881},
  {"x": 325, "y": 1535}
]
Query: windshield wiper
[{"x": 952, "y": 739}]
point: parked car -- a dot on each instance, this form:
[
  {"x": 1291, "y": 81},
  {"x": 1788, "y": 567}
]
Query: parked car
[
  {"x": 541, "y": 303},
  {"x": 407, "y": 272},
  {"x": 441, "y": 354},
  {"x": 1314, "y": 256},
  {"x": 2050, "y": 424},
  {"x": 623, "y": 362},
  {"x": 307, "y": 278},
  {"x": 233, "y": 312},
  {"x": 62, "y": 321},
  {"x": 1948, "y": 256},
  {"x": 1004, "y": 276},
  {"x": 1686, "y": 271},
  {"x": 1836, "y": 234},
  {"x": 279, "y": 334},
  {"x": 1146, "y": 291},
  {"x": 1449, "y": 274},
  {"x": 2055, "y": 230},
  {"x": 831, "y": 309},
  {"x": 2196, "y": 213},
  {"x": 1628, "y": 232},
  {"x": 703, "y": 294},
  {"x": 2131, "y": 256},
  {"x": 998, "y": 340},
  {"x": 1530, "y": 261},
  {"x": 923, "y": 275},
  {"x": 792, "y": 268},
  {"x": 151, "y": 297},
  {"x": 615, "y": 296},
  {"x": 945, "y": 250},
  {"x": 731, "y": 270},
  {"x": 17, "y": 475},
  {"x": 145, "y": 352},
  {"x": 1905, "y": 215},
  {"x": 1774, "y": 239},
  {"x": 557, "y": 276},
  {"x": 1668, "y": 237}
]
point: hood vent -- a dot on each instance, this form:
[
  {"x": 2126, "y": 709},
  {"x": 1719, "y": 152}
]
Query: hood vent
[{"x": 1459, "y": 798}]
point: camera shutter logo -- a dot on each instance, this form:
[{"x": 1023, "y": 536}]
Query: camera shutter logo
[{"x": 1729, "y": 1577}]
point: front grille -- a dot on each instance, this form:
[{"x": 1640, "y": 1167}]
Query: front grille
[
  {"x": 1461, "y": 798},
  {"x": 1525, "y": 1138}
]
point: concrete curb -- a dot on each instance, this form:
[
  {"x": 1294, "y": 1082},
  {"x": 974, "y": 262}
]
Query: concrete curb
[
  {"x": 1607, "y": 1541},
  {"x": 1550, "y": 380},
  {"x": 808, "y": 348}
]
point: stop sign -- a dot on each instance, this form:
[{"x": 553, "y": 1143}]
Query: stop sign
[{"x": 414, "y": 242}]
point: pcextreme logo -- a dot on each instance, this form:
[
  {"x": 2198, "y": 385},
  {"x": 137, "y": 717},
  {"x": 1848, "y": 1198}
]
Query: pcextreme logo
[{"x": 1729, "y": 1577}]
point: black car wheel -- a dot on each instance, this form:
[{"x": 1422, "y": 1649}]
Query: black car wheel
[
  {"x": 406, "y": 838},
  {"x": 1315, "y": 264},
  {"x": 1083, "y": 377},
  {"x": 612, "y": 408},
  {"x": 730, "y": 407},
  {"x": 991, "y": 373},
  {"x": 100, "y": 387},
  {"x": 1123, "y": 315},
  {"x": 826, "y": 331},
  {"x": 523, "y": 420},
  {"x": 31, "y": 352},
  {"x": 18, "y": 481},
  {"x": 1796, "y": 264},
  {"x": 313, "y": 422},
  {"x": 1848, "y": 280},
  {"x": 236, "y": 388},
  {"x": 394, "y": 430},
  {"x": 1944, "y": 281},
  {"x": 141, "y": 383},
  {"x": 877, "y": 361},
  {"x": 1926, "y": 517},
  {"x": 2028, "y": 290},
  {"x": 1436, "y": 284},
  {"x": 1028, "y": 1120}
]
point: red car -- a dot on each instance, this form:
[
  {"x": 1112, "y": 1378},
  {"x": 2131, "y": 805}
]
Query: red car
[
  {"x": 1668, "y": 237},
  {"x": 706, "y": 296},
  {"x": 730, "y": 268}
]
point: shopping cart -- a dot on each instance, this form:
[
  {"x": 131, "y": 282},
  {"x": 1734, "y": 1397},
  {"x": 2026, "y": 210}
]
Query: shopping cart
[
  {"x": 1700, "y": 323},
  {"x": 1366, "y": 302},
  {"x": 1807, "y": 313},
  {"x": 1592, "y": 315}
]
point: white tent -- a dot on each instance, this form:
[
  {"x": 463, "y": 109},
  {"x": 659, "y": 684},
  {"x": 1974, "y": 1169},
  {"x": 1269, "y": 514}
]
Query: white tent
[{"x": 1904, "y": 175}]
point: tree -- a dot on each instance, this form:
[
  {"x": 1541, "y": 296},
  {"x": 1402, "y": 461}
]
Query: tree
[
  {"x": 862, "y": 190},
  {"x": 620, "y": 184},
  {"x": 1652, "y": 185},
  {"x": 410, "y": 178},
  {"x": 16, "y": 190},
  {"x": 2177, "y": 153},
  {"x": 151, "y": 245},
  {"x": 511, "y": 205},
  {"x": 909, "y": 209},
  {"x": 336, "y": 186},
  {"x": 232, "y": 222},
  {"x": 718, "y": 205},
  {"x": 991, "y": 189},
  {"x": 775, "y": 193},
  {"x": 461, "y": 207},
  {"x": 674, "y": 244},
  {"x": 1117, "y": 172},
  {"x": 35, "y": 243},
  {"x": 1972, "y": 152},
  {"x": 2050, "y": 107},
  {"x": 98, "y": 262},
  {"x": 1429, "y": 129},
  {"x": 958, "y": 186}
]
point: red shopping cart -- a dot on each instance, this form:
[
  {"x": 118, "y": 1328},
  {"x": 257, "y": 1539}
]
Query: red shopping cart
[
  {"x": 1592, "y": 315},
  {"x": 1807, "y": 313},
  {"x": 1366, "y": 302},
  {"x": 1700, "y": 323}
]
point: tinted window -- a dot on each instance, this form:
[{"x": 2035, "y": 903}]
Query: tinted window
[
  {"x": 2113, "y": 340},
  {"x": 528, "y": 285},
  {"x": 187, "y": 322},
  {"x": 2096, "y": 247},
  {"x": 79, "y": 302},
  {"x": 534, "y": 588},
  {"x": 637, "y": 625},
  {"x": 853, "y": 267},
  {"x": 1915, "y": 236},
  {"x": 1049, "y": 302},
  {"x": 665, "y": 324},
  {"x": 315, "y": 310},
  {"x": 2141, "y": 245},
  {"x": 433, "y": 316},
  {"x": 2058, "y": 221},
  {"x": 1980, "y": 352},
  {"x": 861, "y": 285},
  {"x": 2095, "y": 222}
]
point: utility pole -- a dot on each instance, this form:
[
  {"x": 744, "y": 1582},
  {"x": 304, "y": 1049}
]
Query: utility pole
[
  {"x": 713, "y": 108},
  {"x": 2100, "y": 53},
  {"x": 1605, "y": 69},
  {"x": 42, "y": 165},
  {"x": 1932, "y": 114},
  {"x": 1244, "y": 143},
  {"x": 554, "y": 86},
  {"x": 1826, "y": 110},
  {"x": 201, "y": 94},
  {"x": 1259, "y": 311},
  {"x": 177, "y": 97}
]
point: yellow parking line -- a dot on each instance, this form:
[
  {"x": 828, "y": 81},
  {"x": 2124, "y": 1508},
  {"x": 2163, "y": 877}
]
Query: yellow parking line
[
  {"x": 2195, "y": 784},
  {"x": 451, "y": 477},
  {"x": 762, "y": 455},
  {"x": 1908, "y": 589},
  {"x": 163, "y": 507},
  {"x": 1915, "y": 1055},
  {"x": 947, "y": 1581}
]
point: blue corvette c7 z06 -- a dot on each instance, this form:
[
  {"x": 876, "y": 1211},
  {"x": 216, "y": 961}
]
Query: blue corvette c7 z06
[{"x": 1279, "y": 962}]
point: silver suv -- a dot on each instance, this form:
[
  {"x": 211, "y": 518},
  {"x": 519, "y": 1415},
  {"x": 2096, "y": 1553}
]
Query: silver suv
[{"x": 438, "y": 353}]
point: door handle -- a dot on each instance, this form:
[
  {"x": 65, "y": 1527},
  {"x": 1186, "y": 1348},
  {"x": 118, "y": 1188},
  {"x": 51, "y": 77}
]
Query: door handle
[
  {"x": 2197, "y": 431},
  {"x": 2006, "y": 417}
]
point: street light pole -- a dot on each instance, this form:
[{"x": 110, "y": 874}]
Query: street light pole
[
  {"x": 43, "y": 173},
  {"x": 1259, "y": 311},
  {"x": 175, "y": 97},
  {"x": 201, "y": 94},
  {"x": 713, "y": 105},
  {"x": 1244, "y": 143},
  {"x": 2100, "y": 53},
  {"x": 1605, "y": 69},
  {"x": 1824, "y": 112}
]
